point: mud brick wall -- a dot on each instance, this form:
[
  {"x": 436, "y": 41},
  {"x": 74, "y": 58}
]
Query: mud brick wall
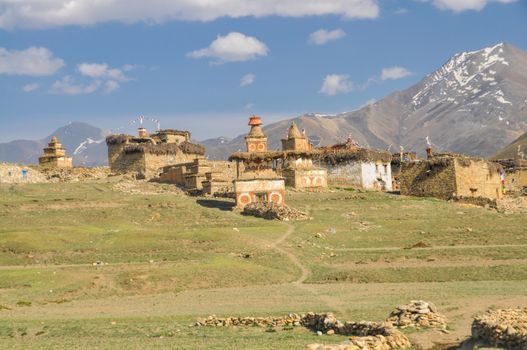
[
  {"x": 477, "y": 178},
  {"x": 154, "y": 162}
]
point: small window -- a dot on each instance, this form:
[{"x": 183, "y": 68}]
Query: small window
[{"x": 260, "y": 197}]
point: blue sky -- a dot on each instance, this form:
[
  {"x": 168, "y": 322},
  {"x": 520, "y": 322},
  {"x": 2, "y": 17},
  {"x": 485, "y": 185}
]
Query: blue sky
[{"x": 207, "y": 69}]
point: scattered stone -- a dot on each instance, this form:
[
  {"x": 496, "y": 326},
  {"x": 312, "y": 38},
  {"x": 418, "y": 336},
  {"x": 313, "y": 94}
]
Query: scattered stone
[
  {"x": 274, "y": 212},
  {"x": 76, "y": 174},
  {"x": 141, "y": 187},
  {"x": 504, "y": 328},
  {"x": 417, "y": 314}
]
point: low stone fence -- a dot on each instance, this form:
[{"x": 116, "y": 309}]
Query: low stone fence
[
  {"x": 417, "y": 314},
  {"x": 294, "y": 320},
  {"x": 363, "y": 335},
  {"x": 505, "y": 328}
]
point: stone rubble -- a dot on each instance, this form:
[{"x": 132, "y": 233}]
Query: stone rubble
[
  {"x": 505, "y": 328},
  {"x": 363, "y": 335},
  {"x": 76, "y": 174},
  {"x": 417, "y": 314},
  {"x": 274, "y": 212},
  {"x": 12, "y": 174},
  {"x": 142, "y": 187}
]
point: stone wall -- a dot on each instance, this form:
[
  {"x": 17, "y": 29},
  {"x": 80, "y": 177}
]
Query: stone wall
[
  {"x": 174, "y": 174},
  {"x": 114, "y": 152},
  {"x": 123, "y": 163},
  {"x": 429, "y": 178},
  {"x": 504, "y": 328}
]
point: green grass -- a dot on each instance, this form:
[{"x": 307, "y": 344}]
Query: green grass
[{"x": 168, "y": 260}]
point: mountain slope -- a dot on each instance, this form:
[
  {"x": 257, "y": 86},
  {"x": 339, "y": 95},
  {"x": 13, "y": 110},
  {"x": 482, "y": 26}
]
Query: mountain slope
[
  {"x": 83, "y": 142},
  {"x": 475, "y": 104},
  {"x": 513, "y": 150}
]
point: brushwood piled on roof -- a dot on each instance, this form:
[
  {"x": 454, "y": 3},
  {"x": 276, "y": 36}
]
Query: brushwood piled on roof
[{"x": 145, "y": 155}]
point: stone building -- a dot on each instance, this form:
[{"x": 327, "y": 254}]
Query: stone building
[
  {"x": 257, "y": 181},
  {"x": 207, "y": 176},
  {"x": 55, "y": 156},
  {"x": 515, "y": 172},
  {"x": 349, "y": 165},
  {"x": 451, "y": 176},
  {"x": 397, "y": 161},
  {"x": 297, "y": 165},
  {"x": 145, "y": 155}
]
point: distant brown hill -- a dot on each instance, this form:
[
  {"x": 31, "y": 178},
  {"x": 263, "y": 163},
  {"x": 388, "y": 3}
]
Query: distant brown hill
[
  {"x": 474, "y": 104},
  {"x": 511, "y": 151}
]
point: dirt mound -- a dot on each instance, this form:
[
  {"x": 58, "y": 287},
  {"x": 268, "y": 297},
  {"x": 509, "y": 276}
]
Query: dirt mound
[
  {"x": 274, "y": 212},
  {"x": 505, "y": 328},
  {"x": 417, "y": 314}
]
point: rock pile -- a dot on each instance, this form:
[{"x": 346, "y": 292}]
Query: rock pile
[
  {"x": 363, "y": 335},
  {"x": 506, "y": 328},
  {"x": 417, "y": 314},
  {"x": 274, "y": 212}
]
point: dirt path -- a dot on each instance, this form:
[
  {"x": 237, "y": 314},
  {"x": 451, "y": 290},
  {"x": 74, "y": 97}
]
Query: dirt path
[
  {"x": 294, "y": 259},
  {"x": 329, "y": 301},
  {"x": 443, "y": 247}
]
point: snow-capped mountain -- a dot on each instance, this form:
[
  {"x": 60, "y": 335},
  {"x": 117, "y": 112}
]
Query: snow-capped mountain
[
  {"x": 85, "y": 143},
  {"x": 476, "y": 103}
]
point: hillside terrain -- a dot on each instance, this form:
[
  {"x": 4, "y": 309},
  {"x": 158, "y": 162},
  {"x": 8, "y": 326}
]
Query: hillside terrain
[
  {"x": 83, "y": 142},
  {"x": 131, "y": 265},
  {"x": 515, "y": 150},
  {"x": 474, "y": 104}
]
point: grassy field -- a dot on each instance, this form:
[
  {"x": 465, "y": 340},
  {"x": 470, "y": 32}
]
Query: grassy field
[{"x": 167, "y": 259}]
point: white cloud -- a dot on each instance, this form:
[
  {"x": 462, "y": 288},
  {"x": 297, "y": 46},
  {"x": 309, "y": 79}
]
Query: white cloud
[
  {"x": 336, "y": 83},
  {"x": 322, "y": 36},
  {"x": 110, "y": 86},
  {"x": 67, "y": 86},
  {"x": 464, "y": 5},
  {"x": 34, "y": 61},
  {"x": 395, "y": 73},
  {"x": 101, "y": 70},
  {"x": 30, "y": 87},
  {"x": 53, "y": 13},
  {"x": 247, "y": 79},
  {"x": 234, "y": 47},
  {"x": 401, "y": 11}
]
